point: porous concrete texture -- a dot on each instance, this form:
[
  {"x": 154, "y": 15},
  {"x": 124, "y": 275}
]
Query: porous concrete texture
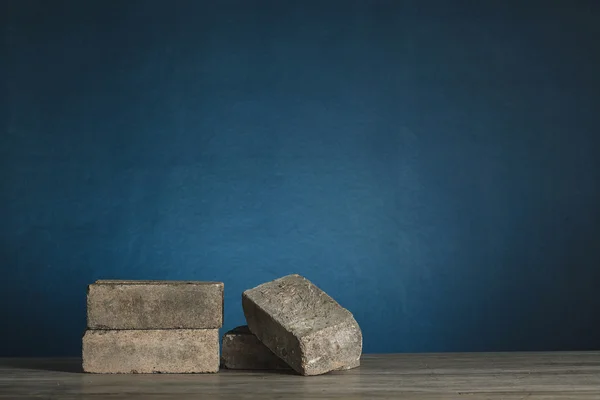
[
  {"x": 242, "y": 350},
  {"x": 174, "y": 351},
  {"x": 302, "y": 325},
  {"x": 114, "y": 304}
]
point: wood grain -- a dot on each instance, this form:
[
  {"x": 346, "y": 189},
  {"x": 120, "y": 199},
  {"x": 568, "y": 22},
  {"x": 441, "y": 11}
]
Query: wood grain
[{"x": 474, "y": 376}]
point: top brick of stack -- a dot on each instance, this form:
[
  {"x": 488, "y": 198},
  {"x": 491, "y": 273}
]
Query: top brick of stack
[{"x": 126, "y": 304}]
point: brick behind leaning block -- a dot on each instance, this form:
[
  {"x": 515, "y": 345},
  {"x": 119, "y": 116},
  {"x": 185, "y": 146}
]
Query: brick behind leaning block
[
  {"x": 154, "y": 305},
  {"x": 151, "y": 351},
  {"x": 302, "y": 325},
  {"x": 242, "y": 350}
]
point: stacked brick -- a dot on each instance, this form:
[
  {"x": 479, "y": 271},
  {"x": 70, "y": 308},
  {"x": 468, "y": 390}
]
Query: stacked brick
[
  {"x": 173, "y": 327},
  {"x": 153, "y": 327}
]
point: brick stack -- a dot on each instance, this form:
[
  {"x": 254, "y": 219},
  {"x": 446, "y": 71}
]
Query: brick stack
[
  {"x": 173, "y": 327},
  {"x": 153, "y": 327}
]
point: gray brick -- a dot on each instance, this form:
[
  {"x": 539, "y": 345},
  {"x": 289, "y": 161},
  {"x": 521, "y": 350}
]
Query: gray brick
[
  {"x": 151, "y": 351},
  {"x": 154, "y": 305},
  {"x": 302, "y": 325},
  {"x": 242, "y": 350}
]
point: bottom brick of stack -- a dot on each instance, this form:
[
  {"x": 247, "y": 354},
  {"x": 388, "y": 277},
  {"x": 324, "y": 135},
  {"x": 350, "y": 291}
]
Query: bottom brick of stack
[{"x": 175, "y": 351}]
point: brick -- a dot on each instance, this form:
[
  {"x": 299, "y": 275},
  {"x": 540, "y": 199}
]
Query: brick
[
  {"x": 242, "y": 350},
  {"x": 151, "y": 351},
  {"x": 302, "y": 325},
  {"x": 154, "y": 305}
]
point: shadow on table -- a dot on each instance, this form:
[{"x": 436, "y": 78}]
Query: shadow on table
[
  {"x": 258, "y": 371},
  {"x": 73, "y": 365},
  {"x": 70, "y": 365}
]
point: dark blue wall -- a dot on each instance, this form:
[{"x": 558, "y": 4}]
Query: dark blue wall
[{"x": 432, "y": 165}]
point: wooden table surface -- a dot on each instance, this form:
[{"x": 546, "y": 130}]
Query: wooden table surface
[{"x": 471, "y": 376}]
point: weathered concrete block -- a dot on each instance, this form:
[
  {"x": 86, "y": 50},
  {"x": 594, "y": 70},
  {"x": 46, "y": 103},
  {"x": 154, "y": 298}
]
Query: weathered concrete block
[
  {"x": 242, "y": 350},
  {"x": 174, "y": 351},
  {"x": 113, "y": 304},
  {"x": 303, "y": 326}
]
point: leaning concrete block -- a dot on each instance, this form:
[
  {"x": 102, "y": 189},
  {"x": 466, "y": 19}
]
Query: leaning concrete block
[
  {"x": 303, "y": 326},
  {"x": 154, "y": 305},
  {"x": 242, "y": 350},
  {"x": 174, "y": 351}
]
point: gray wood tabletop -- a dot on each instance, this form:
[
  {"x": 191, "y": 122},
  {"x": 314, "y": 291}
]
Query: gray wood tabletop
[{"x": 494, "y": 376}]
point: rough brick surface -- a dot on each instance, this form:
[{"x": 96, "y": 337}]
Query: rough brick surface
[
  {"x": 154, "y": 305},
  {"x": 302, "y": 325},
  {"x": 151, "y": 351},
  {"x": 242, "y": 350}
]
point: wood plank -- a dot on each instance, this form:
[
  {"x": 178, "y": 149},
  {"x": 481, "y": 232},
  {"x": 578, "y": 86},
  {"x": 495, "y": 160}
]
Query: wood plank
[{"x": 493, "y": 376}]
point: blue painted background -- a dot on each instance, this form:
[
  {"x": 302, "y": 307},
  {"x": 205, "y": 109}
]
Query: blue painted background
[{"x": 432, "y": 165}]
